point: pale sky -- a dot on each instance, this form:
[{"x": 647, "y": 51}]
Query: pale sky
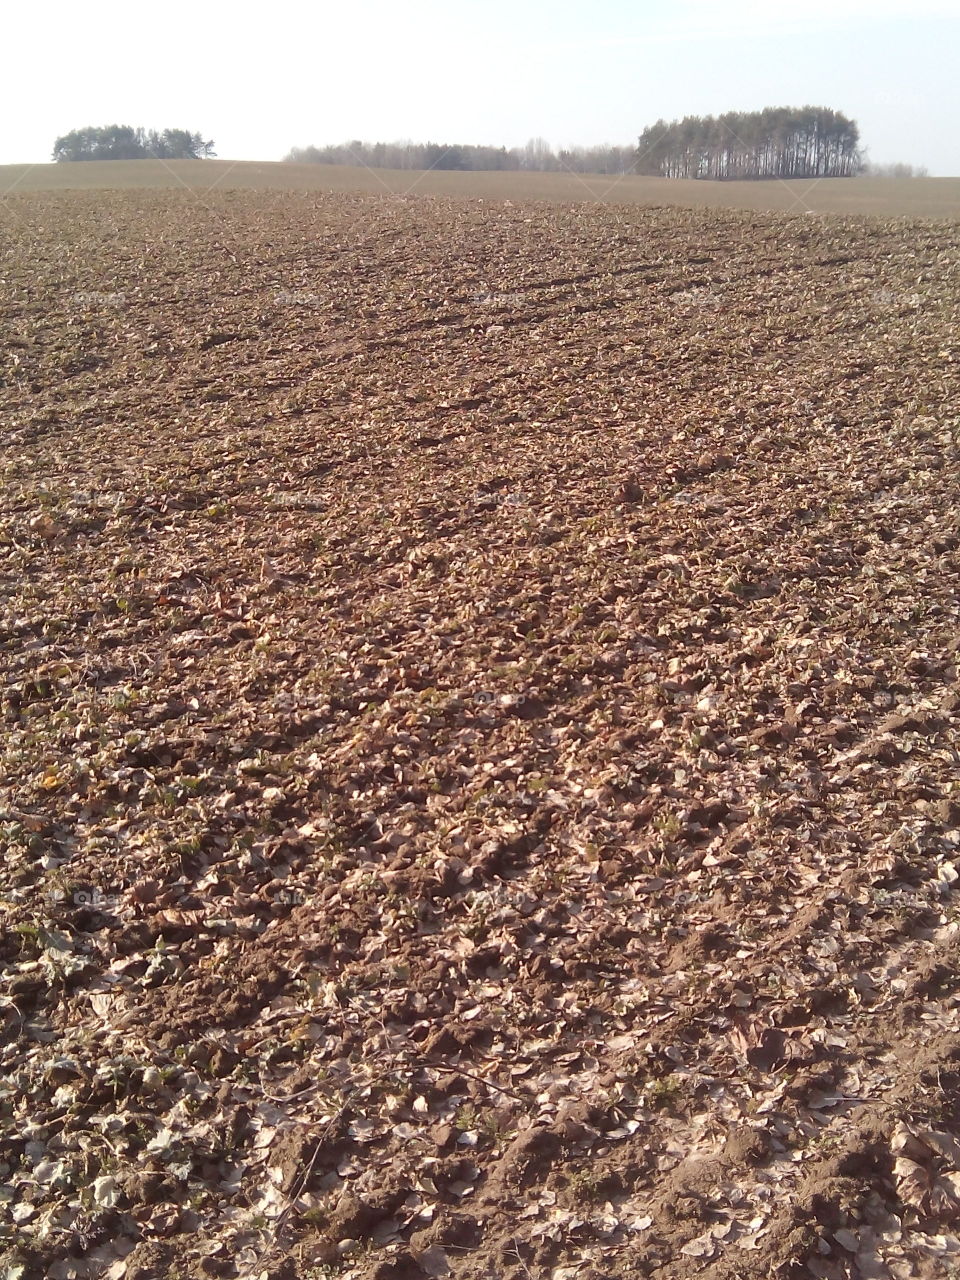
[{"x": 261, "y": 79}]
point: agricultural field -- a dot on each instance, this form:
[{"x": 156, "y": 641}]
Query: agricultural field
[
  {"x": 480, "y": 776},
  {"x": 885, "y": 197}
]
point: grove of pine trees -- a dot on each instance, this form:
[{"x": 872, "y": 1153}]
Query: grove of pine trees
[{"x": 778, "y": 142}]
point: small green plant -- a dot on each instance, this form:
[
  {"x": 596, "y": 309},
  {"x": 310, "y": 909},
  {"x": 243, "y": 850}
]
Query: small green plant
[
  {"x": 584, "y": 1184},
  {"x": 467, "y": 1117},
  {"x": 667, "y": 824},
  {"x": 663, "y": 1093}
]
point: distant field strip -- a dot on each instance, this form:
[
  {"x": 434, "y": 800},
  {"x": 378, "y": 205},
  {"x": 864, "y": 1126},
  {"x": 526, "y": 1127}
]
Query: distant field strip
[{"x": 886, "y": 197}]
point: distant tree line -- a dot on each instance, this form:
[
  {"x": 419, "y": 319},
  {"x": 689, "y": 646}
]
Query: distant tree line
[
  {"x": 536, "y": 155},
  {"x": 899, "y": 170},
  {"x": 778, "y": 142},
  {"x": 124, "y": 142}
]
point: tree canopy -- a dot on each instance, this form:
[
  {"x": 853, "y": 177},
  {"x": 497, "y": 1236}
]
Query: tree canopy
[
  {"x": 778, "y": 142},
  {"x": 124, "y": 142}
]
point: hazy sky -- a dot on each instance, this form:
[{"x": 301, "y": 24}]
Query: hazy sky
[{"x": 262, "y": 79}]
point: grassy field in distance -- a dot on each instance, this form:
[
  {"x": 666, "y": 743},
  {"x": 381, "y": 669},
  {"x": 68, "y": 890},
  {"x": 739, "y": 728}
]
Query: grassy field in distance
[{"x": 885, "y": 197}]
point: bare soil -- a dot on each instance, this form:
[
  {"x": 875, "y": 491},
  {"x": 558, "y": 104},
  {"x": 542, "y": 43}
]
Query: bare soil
[{"x": 480, "y": 777}]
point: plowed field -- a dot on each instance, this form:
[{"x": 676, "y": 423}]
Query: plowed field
[{"x": 480, "y": 777}]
